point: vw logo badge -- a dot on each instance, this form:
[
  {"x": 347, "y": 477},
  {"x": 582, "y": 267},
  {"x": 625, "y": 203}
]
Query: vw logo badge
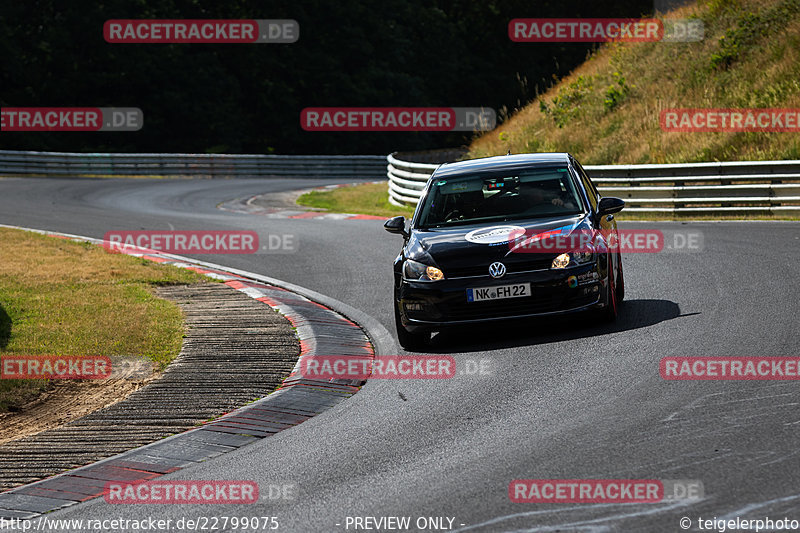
[{"x": 497, "y": 270}]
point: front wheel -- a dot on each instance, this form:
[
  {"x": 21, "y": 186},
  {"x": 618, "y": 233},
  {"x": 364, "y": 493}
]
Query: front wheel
[
  {"x": 611, "y": 310},
  {"x": 408, "y": 340},
  {"x": 620, "y": 280}
]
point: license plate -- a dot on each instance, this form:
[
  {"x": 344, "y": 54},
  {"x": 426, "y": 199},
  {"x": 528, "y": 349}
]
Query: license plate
[{"x": 502, "y": 292}]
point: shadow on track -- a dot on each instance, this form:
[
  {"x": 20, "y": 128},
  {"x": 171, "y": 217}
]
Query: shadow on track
[{"x": 634, "y": 314}]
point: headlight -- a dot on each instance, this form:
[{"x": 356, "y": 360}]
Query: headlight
[
  {"x": 562, "y": 261},
  {"x": 578, "y": 258},
  {"x": 416, "y": 271},
  {"x": 583, "y": 257}
]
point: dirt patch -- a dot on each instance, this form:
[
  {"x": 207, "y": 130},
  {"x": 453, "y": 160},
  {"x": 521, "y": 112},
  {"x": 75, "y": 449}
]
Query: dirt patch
[{"x": 66, "y": 401}]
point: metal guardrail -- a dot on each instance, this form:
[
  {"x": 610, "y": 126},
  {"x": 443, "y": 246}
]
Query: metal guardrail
[
  {"x": 16, "y": 163},
  {"x": 693, "y": 188},
  {"x": 735, "y": 187}
]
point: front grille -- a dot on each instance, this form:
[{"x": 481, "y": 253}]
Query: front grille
[{"x": 534, "y": 263}]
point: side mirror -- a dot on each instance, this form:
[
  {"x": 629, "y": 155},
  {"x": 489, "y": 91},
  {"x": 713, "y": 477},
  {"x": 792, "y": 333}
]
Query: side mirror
[
  {"x": 396, "y": 225},
  {"x": 609, "y": 205}
]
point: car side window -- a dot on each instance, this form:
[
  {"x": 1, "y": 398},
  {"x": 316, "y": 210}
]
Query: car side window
[{"x": 591, "y": 192}]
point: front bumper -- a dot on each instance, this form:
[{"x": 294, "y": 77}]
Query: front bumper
[{"x": 434, "y": 305}]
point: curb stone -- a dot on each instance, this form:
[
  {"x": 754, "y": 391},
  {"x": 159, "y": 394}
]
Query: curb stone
[{"x": 320, "y": 330}]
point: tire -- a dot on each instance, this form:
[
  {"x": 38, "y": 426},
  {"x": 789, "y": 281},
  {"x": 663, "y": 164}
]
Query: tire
[
  {"x": 611, "y": 310},
  {"x": 620, "y": 281},
  {"x": 408, "y": 340}
]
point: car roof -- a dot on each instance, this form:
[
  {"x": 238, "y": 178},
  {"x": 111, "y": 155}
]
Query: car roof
[{"x": 501, "y": 163}]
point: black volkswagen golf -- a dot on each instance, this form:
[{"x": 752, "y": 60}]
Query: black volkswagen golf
[{"x": 505, "y": 237}]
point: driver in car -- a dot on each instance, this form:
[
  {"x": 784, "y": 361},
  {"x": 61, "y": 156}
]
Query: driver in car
[{"x": 536, "y": 194}]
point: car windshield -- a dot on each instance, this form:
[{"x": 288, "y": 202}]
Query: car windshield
[{"x": 544, "y": 192}]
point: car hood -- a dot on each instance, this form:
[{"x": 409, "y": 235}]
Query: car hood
[{"x": 460, "y": 248}]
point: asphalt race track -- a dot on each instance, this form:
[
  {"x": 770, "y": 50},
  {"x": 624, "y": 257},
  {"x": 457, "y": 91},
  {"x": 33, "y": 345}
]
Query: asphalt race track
[{"x": 559, "y": 401}]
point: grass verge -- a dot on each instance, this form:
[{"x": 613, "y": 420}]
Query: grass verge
[
  {"x": 59, "y": 297},
  {"x": 362, "y": 199}
]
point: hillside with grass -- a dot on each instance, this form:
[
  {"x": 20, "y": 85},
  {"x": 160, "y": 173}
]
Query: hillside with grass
[{"x": 607, "y": 110}]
